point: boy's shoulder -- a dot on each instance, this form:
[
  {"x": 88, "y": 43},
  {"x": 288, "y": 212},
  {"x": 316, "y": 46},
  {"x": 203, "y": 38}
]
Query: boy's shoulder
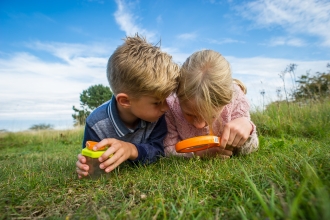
[{"x": 98, "y": 114}]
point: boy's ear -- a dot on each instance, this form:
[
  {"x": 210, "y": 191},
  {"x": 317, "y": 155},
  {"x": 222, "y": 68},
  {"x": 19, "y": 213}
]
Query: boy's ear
[{"x": 123, "y": 100}]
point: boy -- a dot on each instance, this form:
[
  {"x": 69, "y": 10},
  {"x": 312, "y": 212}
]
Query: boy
[{"x": 132, "y": 123}]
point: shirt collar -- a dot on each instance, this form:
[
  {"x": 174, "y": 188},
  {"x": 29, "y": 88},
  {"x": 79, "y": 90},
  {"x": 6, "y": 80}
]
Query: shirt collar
[{"x": 118, "y": 124}]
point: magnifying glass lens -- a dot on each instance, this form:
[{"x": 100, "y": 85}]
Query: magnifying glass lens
[{"x": 197, "y": 143}]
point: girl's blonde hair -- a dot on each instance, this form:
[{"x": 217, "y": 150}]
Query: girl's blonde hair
[
  {"x": 206, "y": 78},
  {"x": 241, "y": 85}
]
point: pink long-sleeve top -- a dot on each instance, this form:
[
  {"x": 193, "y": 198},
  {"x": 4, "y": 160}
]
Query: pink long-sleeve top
[{"x": 179, "y": 129}]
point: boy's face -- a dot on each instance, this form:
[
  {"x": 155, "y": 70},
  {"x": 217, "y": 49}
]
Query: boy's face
[{"x": 148, "y": 108}]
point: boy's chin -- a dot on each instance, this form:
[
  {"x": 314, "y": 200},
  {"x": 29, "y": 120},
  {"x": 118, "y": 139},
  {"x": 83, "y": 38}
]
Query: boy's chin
[{"x": 151, "y": 120}]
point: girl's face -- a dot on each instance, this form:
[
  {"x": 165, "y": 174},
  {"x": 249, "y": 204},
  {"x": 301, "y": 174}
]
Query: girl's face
[{"x": 191, "y": 115}]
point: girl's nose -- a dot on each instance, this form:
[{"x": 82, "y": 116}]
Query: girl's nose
[{"x": 199, "y": 124}]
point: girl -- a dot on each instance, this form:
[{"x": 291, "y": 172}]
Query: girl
[{"x": 209, "y": 101}]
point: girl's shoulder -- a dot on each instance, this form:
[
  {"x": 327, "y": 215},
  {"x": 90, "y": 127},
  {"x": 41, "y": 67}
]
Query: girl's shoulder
[
  {"x": 172, "y": 100},
  {"x": 238, "y": 93}
]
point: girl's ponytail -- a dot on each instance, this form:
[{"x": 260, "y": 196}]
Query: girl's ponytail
[{"x": 241, "y": 85}]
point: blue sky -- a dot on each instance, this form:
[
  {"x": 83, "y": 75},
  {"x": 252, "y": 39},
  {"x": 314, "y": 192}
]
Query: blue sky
[{"x": 50, "y": 51}]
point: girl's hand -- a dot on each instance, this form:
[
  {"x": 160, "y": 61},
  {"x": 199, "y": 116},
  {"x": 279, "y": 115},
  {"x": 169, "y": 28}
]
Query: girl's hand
[{"x": 236, "y": 132}]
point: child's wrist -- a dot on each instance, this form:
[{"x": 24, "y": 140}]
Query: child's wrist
[
  {"x": 252, "y": 129},
  {"x": 134, "y": 152}
]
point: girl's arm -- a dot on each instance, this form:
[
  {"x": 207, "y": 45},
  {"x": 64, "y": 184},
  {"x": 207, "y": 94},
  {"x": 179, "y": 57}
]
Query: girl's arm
[
  {"x": 240, "y": 119},
  {"x": 172, "y": 136}
]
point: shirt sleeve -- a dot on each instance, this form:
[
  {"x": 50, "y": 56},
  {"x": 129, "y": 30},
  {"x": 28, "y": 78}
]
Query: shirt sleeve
[
  {"x": 89, "y": 135},
  {"x": 240, "y": 104},
  {"x": 153, "y": 148},
  {"x": 241, "y": 108},
  {"x": 172, "y": 137}
]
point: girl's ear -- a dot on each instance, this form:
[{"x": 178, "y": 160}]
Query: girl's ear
[{"x": 123, "y": 100}]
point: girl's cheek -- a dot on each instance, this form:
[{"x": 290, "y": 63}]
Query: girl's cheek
[{"x": 189, "y": 119}]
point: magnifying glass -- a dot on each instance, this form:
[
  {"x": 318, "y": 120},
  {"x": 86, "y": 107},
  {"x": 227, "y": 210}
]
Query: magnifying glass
[{"x": 197, "y": 143}]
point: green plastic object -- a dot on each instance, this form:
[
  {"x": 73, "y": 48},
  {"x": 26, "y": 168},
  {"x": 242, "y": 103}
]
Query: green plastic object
[{"x": 91, "y": 154}]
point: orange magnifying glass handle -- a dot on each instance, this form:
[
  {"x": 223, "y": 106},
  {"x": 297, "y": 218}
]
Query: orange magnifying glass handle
[
  {"x": 197, "y": 143},
  {"x": 91, "y": 144}
]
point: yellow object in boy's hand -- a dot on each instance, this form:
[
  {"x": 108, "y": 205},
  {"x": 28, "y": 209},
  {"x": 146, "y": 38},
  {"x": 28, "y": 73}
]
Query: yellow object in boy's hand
[{"x": 92, "y": 159}]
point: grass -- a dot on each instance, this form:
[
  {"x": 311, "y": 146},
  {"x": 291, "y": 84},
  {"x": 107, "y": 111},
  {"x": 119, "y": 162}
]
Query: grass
[
  {"x": 310, "y": 120},
  {"x": 288, "y": 178}
]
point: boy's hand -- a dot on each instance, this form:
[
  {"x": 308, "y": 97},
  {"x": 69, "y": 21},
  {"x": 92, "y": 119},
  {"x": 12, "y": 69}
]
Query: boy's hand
[
  {"x": 82, "y": 167},
  {"x": 236, "y": 132},
  {"x": 121, "y": 151}
]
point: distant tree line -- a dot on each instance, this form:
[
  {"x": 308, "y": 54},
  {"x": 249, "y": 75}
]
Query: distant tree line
[
  {"x": 41, "y": 126},
  {"x": 306, "y": 88},
  {"x": 313, "y": 87}
]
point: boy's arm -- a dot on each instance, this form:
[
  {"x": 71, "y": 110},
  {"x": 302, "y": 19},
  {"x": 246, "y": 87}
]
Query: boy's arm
[
  {"x": 150, "y": 151},
  {"x": 89, "y": 135}
]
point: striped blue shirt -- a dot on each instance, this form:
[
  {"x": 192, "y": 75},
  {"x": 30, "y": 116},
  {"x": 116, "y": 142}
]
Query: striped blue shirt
[{"x": 104, "y": 122}]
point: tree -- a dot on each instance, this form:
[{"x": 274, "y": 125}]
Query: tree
[
  {"x": 90, "y": 99},
  {"x": 41, "y": 126},
  {"x": 313, "y": 87},
  {"x": 79, "y": 117}
]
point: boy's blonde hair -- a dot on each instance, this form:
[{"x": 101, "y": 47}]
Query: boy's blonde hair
[
  {"x": 139, "y": 68},
  {"x": 206, "y": 78}
]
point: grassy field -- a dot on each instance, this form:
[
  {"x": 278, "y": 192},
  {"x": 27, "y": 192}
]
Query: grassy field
[{"x": 288, "y": 178}]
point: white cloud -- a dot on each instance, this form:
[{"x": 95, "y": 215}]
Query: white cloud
[
  {"x": 282, "y": 41},
  {"x": 68, "y": 52},
  {"x": 126, "y": 21},
  {"x": 187, "y": 36},
  {"x": 310, "y": 17},
  {"x": 224, "y": 41},
  {"x": 178, "y": 56},
  {"x": 262, "y": 73},
  {"x": 31, "y": 88},
  {"x": 159, "y": 19},
  {"x": 43, "y": 17},
  {"x": 194, "y": 36}
]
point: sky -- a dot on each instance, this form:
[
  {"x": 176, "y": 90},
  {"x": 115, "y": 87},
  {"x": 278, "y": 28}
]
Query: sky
[{"x": 50, "y": 51}]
